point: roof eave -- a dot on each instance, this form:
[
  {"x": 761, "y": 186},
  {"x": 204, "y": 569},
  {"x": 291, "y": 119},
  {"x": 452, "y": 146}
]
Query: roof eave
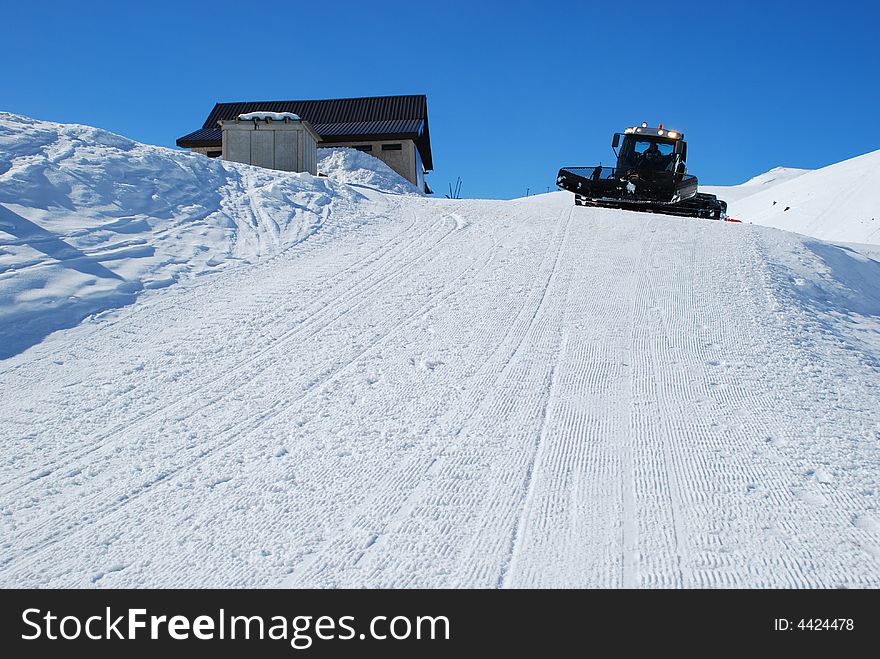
[
  {"x": 369, "y": 137},
  {"x": 191, "y": 144}
]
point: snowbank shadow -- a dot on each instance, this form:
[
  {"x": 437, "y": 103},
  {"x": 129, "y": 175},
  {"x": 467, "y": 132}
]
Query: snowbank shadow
[
  {"x": 31, "y": 307},
  {"x": 840, "y": 287},
  {"x": 857, "y": 279},
  {"x": 38, "y": 238}
]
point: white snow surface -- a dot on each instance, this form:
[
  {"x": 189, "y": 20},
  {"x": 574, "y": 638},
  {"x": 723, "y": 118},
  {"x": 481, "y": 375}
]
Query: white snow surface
[
  {"x": 89, "y": 219},
  {"x": 775, "y": 176},
  {"x": 426, "y": 392},
  {"x": 358, "y": 168},
  {"x": 840, "y": 202},
  {"x": 731, "y": 193},
  {"x": 265, "y": 114}
]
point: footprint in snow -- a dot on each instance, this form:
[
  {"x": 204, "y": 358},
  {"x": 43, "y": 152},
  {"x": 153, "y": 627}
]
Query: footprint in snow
[
  {"x": 820, "y": 476},
  {"x": 812, "y": 498},
  {"x": 425, "y": 363},
  {"x": 867, "y": 522}
]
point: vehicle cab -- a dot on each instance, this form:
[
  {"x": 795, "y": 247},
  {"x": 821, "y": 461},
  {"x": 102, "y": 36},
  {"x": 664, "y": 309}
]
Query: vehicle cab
[{"x": 643, "y": 148}]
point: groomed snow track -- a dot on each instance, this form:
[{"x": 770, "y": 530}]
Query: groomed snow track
[{"x": 456, "y": 393}]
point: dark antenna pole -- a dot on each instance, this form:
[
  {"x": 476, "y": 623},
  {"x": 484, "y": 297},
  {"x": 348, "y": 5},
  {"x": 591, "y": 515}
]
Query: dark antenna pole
[{"x": 455, "y": 193}]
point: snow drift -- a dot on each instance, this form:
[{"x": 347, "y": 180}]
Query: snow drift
[
  {"x": 358, "y": 168},
  {"x": 840, "y": 202},
  {"x": 89, "y": 219}
]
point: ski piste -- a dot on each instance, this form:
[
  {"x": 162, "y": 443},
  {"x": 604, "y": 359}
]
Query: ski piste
[{"x": 284, "y": 380}]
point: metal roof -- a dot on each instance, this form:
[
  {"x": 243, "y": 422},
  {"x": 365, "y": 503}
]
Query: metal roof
[
  {"x": 336, "y": 120},
  {"x": 388, "y": 127},
  {"x": 201, "y": 137}
]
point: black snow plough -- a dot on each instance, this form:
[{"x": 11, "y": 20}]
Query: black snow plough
[{"x": 650, "y": 176}]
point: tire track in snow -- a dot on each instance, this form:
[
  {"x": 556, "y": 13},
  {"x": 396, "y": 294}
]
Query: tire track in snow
[
  {"x": 707, "y": 383},
  {"x": 685, "y": 441},
  {"x": 491, "y": 371},
  {"x": 314, "y": 324},
  {"x": 158, "y": 306},
  {"x": 354, "y": 294},
  {"x": 516, "y": 538},
  {"x": 488, "y": 552},
  {"x": 262, "y": 352},
  {"x": 239, "y": 431},
  {"x": 235, "y": 193},
  {"x": 670, "y": 566},
  {"x": 445, "y": 470},
  {"x": 772, "y": 445},
  {"x": 582, "y": 497}
]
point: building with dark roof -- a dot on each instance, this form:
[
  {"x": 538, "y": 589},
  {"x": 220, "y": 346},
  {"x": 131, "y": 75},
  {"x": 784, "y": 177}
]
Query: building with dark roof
[{"x": 392, "y": 128}]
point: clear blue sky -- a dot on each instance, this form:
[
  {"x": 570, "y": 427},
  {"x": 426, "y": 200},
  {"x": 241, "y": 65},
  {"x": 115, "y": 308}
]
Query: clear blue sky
[{"x": 515, "y": 89}]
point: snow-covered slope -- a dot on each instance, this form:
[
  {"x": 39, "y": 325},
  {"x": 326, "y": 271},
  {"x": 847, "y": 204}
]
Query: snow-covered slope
[
  {"x": 358, "y": 168},
  {"x": 840, "y": 202},
  {"x": 457, "y": 393},
  {"x": 89, "y": 219},
  {"x": 774, "y": 176},
  {"x": 755, "y": 184}
]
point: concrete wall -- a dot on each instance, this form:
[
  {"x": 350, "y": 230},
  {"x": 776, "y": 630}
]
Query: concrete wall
[
  {"x": 205, "y": 150},
  {"x": 290, "y": 146},
  {"x": 420, "y": 171}
]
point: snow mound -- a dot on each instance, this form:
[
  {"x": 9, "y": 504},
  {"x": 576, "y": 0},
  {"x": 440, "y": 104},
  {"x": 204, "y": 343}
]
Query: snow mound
[
  {"x": 840, "y": 202},
  {"x": 358, "y": 168},
  {"x": 89, "y": 219}
]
